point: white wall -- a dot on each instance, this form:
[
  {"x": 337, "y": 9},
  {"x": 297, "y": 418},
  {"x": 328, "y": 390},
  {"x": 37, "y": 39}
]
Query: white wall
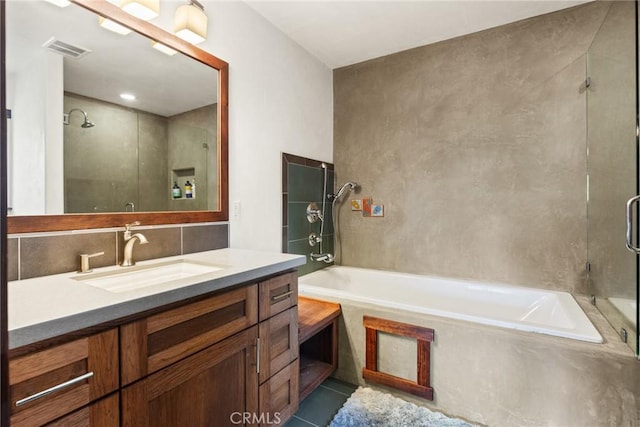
[
  {"x": 54, "y": 143},
  {"x": 34, "y": 96},
  {"x": 280, "y": 100}
]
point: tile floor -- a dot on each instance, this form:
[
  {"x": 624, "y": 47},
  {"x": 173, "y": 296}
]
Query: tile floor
[{"x": 319, "y": 408}]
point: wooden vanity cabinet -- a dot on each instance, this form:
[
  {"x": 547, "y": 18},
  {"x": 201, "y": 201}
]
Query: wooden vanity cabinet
[
  {"x": 278, "y": 294},
  {"x": 214, "y": 387},
  {"x": 52, "y": 383},
  {"x": 279, "y": 395},
  {"x": 230, "y": 359},
  {"x": 157, "y": 341},
  {"x": 225, "y": 359},
  {"x": 103, "y": 413},
  {"x": 279, "y": 347}
]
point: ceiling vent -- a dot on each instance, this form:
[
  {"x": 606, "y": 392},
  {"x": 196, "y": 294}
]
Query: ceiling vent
[{"x": 65, "y": 49}]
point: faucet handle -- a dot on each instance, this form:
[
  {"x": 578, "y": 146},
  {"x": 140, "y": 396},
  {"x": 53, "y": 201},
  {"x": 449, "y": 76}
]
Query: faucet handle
[
  {"x": 85, "y": 267},
  {"x": 127, "y": 227}
]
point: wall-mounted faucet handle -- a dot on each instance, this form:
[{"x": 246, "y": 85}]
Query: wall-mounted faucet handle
[
  {"x": 85, "y": 267},
  {"x": 127, "y": 227}
]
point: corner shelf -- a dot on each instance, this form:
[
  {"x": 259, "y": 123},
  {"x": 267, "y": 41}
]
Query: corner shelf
[{"x": 318, "y": 340}]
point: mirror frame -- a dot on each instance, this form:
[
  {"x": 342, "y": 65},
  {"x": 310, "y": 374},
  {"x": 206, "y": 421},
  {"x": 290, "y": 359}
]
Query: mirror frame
[{"x": 63, "y": 222}]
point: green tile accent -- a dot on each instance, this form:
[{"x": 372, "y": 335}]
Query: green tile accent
[
  {"x": 299, "y": 227},
  {"x": 301, "y": 247},
  {"x": 304, "y": 183}
]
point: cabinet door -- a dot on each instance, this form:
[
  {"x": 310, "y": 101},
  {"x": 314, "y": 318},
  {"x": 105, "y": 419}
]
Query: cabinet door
[
  {"x": 215, "y": 387},
  {"x": 278, "y": 342},
  {"x": 278, "y": 294},
  {"x": 103, "y": 413},
  {"x": 279, "y": 396},
  {"x": 52, "y": 383},
  {"x": 157, "y": 341}
]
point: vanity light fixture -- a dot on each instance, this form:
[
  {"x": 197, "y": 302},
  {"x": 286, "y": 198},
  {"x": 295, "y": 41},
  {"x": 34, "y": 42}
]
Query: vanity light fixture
[
  {"x": 60, "y": 3},
  {"x": 128, "y": 96},
  {"x": 143, "y": 9},
  {"x": 191, "y": 22},
  {"x": 113, "y": 26},
  {"x": 163, "y": 48}
]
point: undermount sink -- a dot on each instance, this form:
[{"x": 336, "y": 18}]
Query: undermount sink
[{"x": 142, "y": 276}]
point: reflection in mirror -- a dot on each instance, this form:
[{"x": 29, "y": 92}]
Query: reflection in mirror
[
  {"x": 612, "y": 169},
  {"x": 136, "y": 150}
]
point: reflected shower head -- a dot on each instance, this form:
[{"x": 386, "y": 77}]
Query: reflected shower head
[{"x": 85, "y": 124}]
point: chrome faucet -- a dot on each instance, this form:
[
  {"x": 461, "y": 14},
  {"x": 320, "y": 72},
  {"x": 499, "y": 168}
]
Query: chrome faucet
[{"x": 127, "y": 260}]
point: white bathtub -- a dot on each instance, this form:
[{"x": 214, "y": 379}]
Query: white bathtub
[{"x": 524, "y": 309}]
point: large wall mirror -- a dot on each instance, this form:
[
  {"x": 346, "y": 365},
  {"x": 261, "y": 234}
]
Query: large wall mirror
[{"x": 81, "y": 155}]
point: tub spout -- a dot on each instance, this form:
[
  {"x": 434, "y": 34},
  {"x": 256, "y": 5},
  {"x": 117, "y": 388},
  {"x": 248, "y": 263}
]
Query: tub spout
[{"x": 328, "y": 258}]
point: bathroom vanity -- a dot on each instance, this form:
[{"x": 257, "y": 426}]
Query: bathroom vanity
[{"x": 219, "y": 348}]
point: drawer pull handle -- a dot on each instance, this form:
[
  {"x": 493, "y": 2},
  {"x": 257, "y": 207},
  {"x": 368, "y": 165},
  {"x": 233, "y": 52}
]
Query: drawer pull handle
[
  {"x": 53, "y": 389},
  {"x": 281, "y": 296},
  {"x": 257, "y": 355}
]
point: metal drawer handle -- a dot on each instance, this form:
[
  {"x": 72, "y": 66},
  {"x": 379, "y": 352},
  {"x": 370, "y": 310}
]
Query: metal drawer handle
[
  {"x": 53, "y": 389},
  {"x": 257, "y": 355},
  {"x": 281, "y": 296},
  {"x": 629, "y": 223}
]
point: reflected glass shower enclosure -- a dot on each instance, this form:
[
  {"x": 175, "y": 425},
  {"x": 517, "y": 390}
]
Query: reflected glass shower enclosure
[{"x": 612, "y": 165}]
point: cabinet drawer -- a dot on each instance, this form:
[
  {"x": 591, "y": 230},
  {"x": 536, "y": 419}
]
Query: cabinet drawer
[
  {"x": 278, "y": 294},
  {"x": 278, "y": 342},
  {"x": 157, "y": 341},
  {"x": 54, "y": 382},
  {"x": 279, "y": 395},
  {"x": 212, "y": 388},
  {"x": 103, "y": 413}
]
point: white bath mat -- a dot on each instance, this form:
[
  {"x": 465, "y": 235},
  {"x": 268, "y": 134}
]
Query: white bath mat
[{"x": 371, "y": 408}]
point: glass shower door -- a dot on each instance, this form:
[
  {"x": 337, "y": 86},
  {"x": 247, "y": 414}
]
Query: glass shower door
[{"x": 612, "y": 169}]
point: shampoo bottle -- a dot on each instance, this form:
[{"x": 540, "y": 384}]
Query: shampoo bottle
[
  {"x": 187, "y": 190},
  {"x": 176, "y": 193}
]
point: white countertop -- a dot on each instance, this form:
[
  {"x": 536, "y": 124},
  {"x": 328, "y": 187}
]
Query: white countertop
[{"x": 45, "y": 307}]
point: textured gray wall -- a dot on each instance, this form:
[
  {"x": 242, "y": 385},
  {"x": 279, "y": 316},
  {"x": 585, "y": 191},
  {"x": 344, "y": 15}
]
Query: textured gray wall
[
  {"x": 153, "y": 173},
  {"x": 477, "y": 148},
  {"x": 103, "y": 164},
  {"x": 188, "y": 134},
  {"x": 100, "y": 164}
]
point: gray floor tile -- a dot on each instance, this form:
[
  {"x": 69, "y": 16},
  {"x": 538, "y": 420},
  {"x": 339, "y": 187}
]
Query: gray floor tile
[
  {"x": 298, "y": 422},
  {"x": 339, "y": 386},
  {"x": 321, "y": 406}
]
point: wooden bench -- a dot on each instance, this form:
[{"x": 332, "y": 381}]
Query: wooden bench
[{"x": 318, "y": 340}]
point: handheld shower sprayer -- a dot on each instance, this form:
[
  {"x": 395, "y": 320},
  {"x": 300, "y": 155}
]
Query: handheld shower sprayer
[{"x": 346, "y": 187}]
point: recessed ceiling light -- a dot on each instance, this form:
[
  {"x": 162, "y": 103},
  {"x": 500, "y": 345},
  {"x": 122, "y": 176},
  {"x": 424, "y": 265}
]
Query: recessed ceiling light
[
  {"x": 113, "y": 26},
  {"x": 164, "y": 49},
  {"x": 128, "y": 96}
]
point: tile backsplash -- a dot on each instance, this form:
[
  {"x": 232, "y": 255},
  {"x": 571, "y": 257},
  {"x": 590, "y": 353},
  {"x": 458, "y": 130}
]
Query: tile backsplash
[{"x": 43, "y": 254}]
